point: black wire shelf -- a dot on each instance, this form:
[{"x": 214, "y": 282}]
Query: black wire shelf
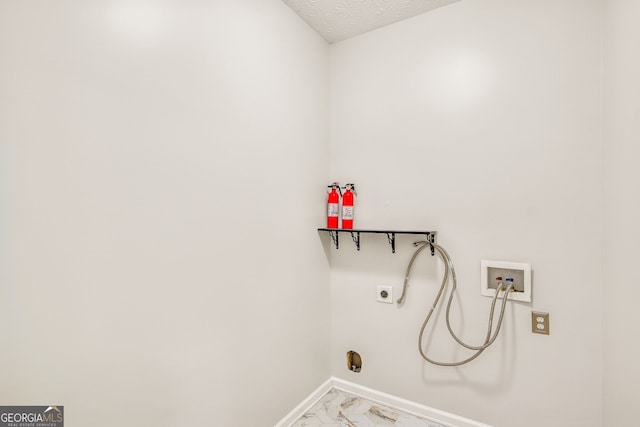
[{"x": 391, "y": 235}]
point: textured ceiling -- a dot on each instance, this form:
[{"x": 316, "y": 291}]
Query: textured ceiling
[{"x": 337, "y": 20}]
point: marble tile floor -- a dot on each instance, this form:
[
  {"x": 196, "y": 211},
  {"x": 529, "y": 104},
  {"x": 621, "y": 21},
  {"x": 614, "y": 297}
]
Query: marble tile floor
[{"x": 338, "y": 408}]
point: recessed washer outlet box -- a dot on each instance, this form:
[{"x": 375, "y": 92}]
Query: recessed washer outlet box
[{"x": 494, "y": 272}]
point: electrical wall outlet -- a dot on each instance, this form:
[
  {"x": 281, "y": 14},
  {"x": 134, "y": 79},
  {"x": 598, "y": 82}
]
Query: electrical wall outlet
[
  {"x": 539, "y": 323},
  {"x": 385, "y": 294}
]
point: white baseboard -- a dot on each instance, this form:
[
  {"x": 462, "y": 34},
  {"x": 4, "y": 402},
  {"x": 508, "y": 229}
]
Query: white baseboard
[
  {"x": 306, "y": 404},
  {"x": 436, "y": 415}
]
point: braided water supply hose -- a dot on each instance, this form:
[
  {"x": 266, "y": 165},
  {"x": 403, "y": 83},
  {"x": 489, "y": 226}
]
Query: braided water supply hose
[{"x": 450, "y": 271}]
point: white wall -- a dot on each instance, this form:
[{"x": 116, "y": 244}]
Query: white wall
[
  {"x": 150, "y": 151},
  {"x": 621, "y": 211},
  {"x": 480, "y": 120}
]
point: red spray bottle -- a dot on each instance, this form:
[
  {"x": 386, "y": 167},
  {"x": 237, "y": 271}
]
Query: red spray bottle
[
  {"x": 347, "y": 206},
  {"x": 333, "y": 205}
]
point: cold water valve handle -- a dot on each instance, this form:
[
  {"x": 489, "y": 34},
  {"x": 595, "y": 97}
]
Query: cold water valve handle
[{"x": 511, "y": 282}]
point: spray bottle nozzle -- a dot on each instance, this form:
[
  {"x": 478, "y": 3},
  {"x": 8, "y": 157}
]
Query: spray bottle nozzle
[
  {"x": 335, "y": 186},
  {"x": 351, "y": 187}
]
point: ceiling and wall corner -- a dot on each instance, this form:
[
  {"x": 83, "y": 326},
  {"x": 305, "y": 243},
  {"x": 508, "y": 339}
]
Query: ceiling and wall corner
[{"x": 337, "y": 20}]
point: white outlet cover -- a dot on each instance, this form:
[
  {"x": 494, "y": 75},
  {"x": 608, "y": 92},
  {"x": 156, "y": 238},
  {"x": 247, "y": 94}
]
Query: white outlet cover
[
  {"x": 389, "y": 290},
  {"x": 487, "y": 291}
]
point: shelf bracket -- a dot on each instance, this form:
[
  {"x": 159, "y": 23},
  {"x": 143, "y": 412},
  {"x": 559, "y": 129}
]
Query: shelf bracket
[
  {"x": 334, "y": 237},
  {"x": 392, "y": 241},
  {"x": 356, "y": 239},
  {"x": 431, "y": 238}
]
